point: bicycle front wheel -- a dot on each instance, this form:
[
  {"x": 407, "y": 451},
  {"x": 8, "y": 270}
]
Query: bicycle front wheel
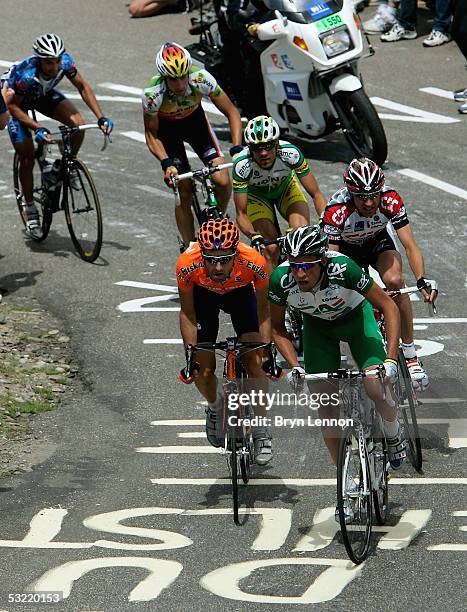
[
  {"x": 354, "y": 497},
  {"x": 39, "y": 198},
  {"x": 407, "y": 401},
  {"x": 83, "y": 212}
]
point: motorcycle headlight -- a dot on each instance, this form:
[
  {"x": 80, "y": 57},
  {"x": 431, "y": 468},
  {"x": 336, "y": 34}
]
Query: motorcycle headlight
[{"x": 336, "y": 42}]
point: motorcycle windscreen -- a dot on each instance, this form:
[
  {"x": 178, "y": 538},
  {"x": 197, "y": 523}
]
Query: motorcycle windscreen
[{"x": 305, "y": 11}]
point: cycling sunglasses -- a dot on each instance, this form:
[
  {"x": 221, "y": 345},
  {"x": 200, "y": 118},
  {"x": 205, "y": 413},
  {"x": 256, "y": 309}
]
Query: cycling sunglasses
[
  {"x": 222, "y": 259},
  {"x": 263, "y": 146},
  {"x": 366, "y": 196},
  {"x": 306, "y": 266}
]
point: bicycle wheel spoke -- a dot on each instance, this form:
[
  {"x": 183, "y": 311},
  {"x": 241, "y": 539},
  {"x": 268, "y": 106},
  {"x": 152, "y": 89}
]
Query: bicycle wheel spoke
[{"x": 83, "y": 214}]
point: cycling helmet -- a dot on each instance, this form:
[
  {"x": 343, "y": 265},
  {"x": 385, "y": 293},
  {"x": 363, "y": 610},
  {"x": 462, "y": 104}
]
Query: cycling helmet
[
  {"x": 261, "y": 129},
  {"x": 218, "y": 234},
  {"x": 48, "y": 45},
  {"x": 306, "y": 240},
  {"x": 363, "y": 177},
  {"x": 172, "y": 60}
]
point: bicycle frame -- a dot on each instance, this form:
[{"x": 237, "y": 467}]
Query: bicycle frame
[{"x": 203, "y": 177}]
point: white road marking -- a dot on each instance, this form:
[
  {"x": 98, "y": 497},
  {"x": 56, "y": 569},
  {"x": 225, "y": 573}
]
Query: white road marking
[
  {"x": 457, "y": 429},
  {"x": 161, "y": 574},
  {"x": 436, "y": 91},
  {"x": 159, "y": 192},
  {"x": 163, "y": 340},
  {"x": 338, "y": 573},
  {"x": 443, "y": 400},
  {"x": 150, "y": 286},
  {"x": 76, "y": 96},
  {"x": 449, "y": 547},
  {"x": 412, "y": 114},
  {"x": 5, "y": 63},
  {"x": 137, "y": 91},
  {"x": 179, "y": 450},
  {"x": 178, "y": 422},
  {"x": 139, "y": 137},
  {"x": 301, "y": 482},
  {"x": 433, "y": 182},
  {"x": 396, "y": 537},
  {"x": 191, "y": 434},
  {"x": 440, "y": 320}
]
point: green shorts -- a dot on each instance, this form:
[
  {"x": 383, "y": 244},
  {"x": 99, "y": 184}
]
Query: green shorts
[{"x": 359, "y": 329}]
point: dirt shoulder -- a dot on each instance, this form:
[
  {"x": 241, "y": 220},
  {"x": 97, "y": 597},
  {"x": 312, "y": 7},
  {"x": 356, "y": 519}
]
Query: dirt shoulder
[{"x": 36, "y": 373}]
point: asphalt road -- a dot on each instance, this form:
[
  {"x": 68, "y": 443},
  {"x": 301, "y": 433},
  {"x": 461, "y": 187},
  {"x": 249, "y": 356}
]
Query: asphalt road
[{"x": 101, "y": 499}]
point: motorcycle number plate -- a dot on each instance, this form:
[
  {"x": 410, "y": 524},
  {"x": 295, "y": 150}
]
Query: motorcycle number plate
[{"x": 328, "y": 23}]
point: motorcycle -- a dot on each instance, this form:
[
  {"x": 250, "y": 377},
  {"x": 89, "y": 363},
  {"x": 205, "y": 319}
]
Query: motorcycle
[{"x": 310, "y": 71}]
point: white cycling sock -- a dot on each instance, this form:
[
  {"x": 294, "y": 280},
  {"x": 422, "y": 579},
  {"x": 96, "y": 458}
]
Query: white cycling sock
[
  {"x": 409, "y": 350},
  {"x": 391, "y": 428}
]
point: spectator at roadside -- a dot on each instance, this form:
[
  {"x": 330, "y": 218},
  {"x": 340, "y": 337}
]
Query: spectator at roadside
[
  {"x": 459, "y": 34},
  {"x": 383, "y": 19},
  {"x": 405, "y": 26},
  {"x": 147, "y": 8}
]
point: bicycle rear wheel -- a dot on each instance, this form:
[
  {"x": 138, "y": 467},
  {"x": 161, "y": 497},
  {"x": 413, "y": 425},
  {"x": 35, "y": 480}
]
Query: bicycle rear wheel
[
  {"x": 83, "y": 213},
  {"x": 354, "y": 496},
  {"x": 407, "y": 401},
  {"x": 39, "y": 197},
  {"x": 379, "y": 456}
]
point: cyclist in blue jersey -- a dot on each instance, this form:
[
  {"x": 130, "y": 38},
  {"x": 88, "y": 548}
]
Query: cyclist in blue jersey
[{"x": 31, "y": 84}]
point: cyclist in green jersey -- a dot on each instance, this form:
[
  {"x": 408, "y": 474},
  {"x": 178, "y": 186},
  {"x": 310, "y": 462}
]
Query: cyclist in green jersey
[
  {"x": 335, "y": 297},
  {"x": 267, "y": 176}
]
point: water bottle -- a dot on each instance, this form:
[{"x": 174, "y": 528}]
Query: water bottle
[
  {"x": 51, "y": 174},
  {"x": 52, "y": 182}
]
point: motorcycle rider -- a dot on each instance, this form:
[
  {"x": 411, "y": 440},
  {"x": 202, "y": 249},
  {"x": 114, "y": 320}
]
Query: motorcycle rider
[{"x": 237, "y": 23}]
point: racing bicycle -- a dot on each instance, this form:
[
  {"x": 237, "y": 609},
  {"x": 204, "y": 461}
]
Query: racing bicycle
[
  {"x": 363, "y": 464},
  {"x": 69, "y": 178},
  {"x": 405, "y": 394},
  {"x": 234, "y": 424},
  {"x": 206, "y": 194}
]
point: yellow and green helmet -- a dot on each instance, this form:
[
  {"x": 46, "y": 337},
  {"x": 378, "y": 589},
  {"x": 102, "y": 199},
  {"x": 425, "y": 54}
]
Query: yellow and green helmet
[{"x": 261, "y": 129}]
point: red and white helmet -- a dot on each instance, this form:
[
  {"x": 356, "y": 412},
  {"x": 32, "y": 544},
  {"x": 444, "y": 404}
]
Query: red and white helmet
[{"x": 363, "y": 177}]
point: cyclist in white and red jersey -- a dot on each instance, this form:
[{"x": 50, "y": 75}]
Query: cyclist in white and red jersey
[{"x": 355, "y": 220}]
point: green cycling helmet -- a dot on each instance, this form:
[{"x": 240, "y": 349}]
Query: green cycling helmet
[
  {"x": 306, "y": 240},
  {"x": 261, "y": 129}
]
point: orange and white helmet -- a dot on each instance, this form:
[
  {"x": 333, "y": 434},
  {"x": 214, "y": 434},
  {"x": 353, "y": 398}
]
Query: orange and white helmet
[
  {"x": 218, "y": 235},
  {"x": 172, "y": 60}
]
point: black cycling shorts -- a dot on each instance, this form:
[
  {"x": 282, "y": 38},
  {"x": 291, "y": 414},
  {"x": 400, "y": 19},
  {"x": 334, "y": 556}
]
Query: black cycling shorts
[
  {"x": 366, "y": 254},
  {"x": 239, "y": 303},
  {"x": 196, "y": 131}
]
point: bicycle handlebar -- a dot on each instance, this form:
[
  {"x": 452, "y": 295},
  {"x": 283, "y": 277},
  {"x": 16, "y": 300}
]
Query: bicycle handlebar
[
  {"x": 344, "y": 374},
  {"x": 203, "y": 172},
  {"x": 63, "y": 129},
  {"x": 409, "y": 291}
]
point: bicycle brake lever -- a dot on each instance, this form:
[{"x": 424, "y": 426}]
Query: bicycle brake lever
[{"x": 107, "y": 140}]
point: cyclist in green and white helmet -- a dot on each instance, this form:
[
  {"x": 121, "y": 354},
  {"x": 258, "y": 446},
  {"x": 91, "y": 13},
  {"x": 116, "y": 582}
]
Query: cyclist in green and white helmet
[{"x": 266, "y": 177}]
